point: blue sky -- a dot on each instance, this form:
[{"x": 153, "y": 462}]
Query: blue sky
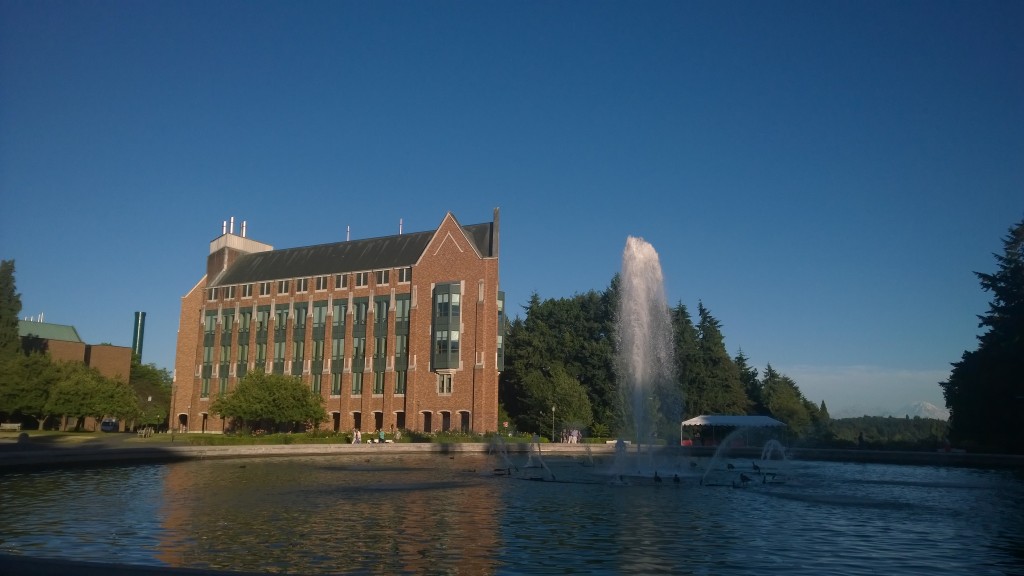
[{"x": 824, "y": 176}]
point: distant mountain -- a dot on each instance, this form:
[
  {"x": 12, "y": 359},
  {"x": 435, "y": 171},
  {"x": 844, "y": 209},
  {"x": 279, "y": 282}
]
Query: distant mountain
[{"x": 922, "y": 409}]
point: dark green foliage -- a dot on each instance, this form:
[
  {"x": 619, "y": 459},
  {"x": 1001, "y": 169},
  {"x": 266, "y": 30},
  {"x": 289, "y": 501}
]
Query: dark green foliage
[
  {"x": 985, "y": 391},
  {"x": 271, "y": 402},
  {"x": 10, "y": 308},
  {"x": 81, "y": 391},
  {"x": 25, "y": 385},
  {"x": 722, "y": 389},
  {"x": 886, "y": 432},
  {"x": 152, "y": 387}
]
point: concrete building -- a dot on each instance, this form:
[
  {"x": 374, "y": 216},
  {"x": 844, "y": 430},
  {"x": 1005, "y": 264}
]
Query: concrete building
[{"x": 396, "y": 332}]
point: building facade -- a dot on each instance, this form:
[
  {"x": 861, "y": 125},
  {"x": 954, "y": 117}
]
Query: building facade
[{"x": 396, "y": 332}]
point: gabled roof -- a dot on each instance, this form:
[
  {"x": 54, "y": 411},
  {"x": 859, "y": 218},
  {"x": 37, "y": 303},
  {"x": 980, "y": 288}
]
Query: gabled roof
[
  {"x": 48, "y": 331},
  {"x": 396, "y": 251}
]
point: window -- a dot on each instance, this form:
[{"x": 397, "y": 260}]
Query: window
[
  {"x": 229, "y": 292},
  {"x": 299, "y": 323},
  {"x": 455, "y": 306},
  {"x": 262, "y": 319},
  {"x": 246, "y": 290},
  {"x": 225, "y": 353},
  {"x": 405, "y": 275},
  {"x": 340, "y": 281},
  {"x": 261, "y": 352},
  {"x": 453, "y": 342},
  {"x": 381, "y": 347},
  {"x": 336, "y": 384},
  {"x": 280, "y": 318},
  {"x": 360, "y": 311},
  {"x": 319, "y": 314},
  {"x": 357, "y": 383},
  {"x": 302, "y": 285},
  {"x": 337, "y": 350},
  {"x": 382, "y": 277},
  {"x": 211, "y": 294},
  {"x": 400, "y": 377},
  {"x": 205, "y": 391},
  {"x": 228, "y": 322},
  {"x": 441, "y": 343},
  {"x": 282, "y": 286},
  {"x": 278, "y": 351},
  {"x": 264, "y": 288},
  {"x": 442, "y": 305},
  {"x": 298, "y": 351},
  {"x": 321, "y": 283},
  {"x": 210, "y": 324},
  {"x": 401, "y": 345},
  {"x": 402, "y": 309},
  {"x": 207, "y": 354},
  {"x": 378, "y": 382},
  {"x": 338, "y": 315},
  {"x": 380, "y": 309},
  {"x": 359, "y": 348},
  {"x": 444, "y": 384},
  {"x": 223, "y": 385},
  {"x": 362, "y": 279},
  {"x": 318, "y": 350},
  {"x": 244, "y": 320},
  {"x": 243, "y": 351},
  {"x": 316, "y": 384}
]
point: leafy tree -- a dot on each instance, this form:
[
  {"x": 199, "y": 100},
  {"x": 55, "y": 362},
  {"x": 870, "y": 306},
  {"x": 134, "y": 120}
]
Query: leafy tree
[
  {"x": 25, "y": 385},
  {"x": 985, "y": 391},
  {"x": 152, "y": 387},
  {"x": 272, "y": 401},
  {"x": 10, "y": 307},
  {"x": 81, "y": 391}
]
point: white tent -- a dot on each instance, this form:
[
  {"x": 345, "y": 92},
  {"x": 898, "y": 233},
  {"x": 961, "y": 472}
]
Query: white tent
[{"x": 737, "y": 421}]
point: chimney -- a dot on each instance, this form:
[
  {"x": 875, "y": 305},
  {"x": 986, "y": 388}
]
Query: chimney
[
  {"x": 137, "y": 334},
  {"x": 243, "y": 228},
  {"x": 232, "y": 228},
  {"x": 223, "y": 227},
  {"x": 399, "y": 226}
]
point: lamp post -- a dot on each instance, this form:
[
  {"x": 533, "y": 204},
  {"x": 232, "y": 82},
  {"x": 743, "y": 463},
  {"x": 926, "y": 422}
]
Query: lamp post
[{"x": 552, "y": 422}]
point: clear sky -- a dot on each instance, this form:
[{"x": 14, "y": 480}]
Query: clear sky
[{"x": 824, "y": 176}]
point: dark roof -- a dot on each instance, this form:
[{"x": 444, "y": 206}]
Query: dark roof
[{"x": 351, "y": 256}]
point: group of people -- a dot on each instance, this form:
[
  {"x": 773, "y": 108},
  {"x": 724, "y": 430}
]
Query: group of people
[
  {"x": 377, "y": 437},
  {"x": 571, "y": 436}
]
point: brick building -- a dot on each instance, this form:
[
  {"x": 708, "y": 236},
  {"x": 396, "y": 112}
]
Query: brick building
[
  {"x": 400, "y": 331},
  {"x": 63, "y": 344}
]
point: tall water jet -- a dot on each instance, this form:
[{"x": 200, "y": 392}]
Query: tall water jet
[{"x": 645, "y": 364}]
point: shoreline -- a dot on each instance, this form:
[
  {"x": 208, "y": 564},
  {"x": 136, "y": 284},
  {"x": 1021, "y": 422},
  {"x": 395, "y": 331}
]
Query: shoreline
[{"x": 18, "y": 456}]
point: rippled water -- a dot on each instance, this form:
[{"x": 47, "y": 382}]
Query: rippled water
[{"x": 453, "y": 515}]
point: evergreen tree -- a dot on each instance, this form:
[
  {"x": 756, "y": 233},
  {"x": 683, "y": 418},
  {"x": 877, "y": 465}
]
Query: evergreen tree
[
  {"x": 985, "y": 391},
  {"x": 751, "y": 384},
  {"x": 722, "y": 378},
  {"x": 786, "y": 403},
  {"x": 689, "y": 367},
  {"x": 10, "y": 307}
]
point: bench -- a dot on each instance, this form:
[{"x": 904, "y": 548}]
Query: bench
[{"x": 10, "y": 427}]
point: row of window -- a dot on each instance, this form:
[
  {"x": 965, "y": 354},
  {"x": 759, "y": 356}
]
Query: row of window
[
  {"x": 360, "y": 308},
  {"x": 301, "y": 285},
  {"x": 444, "y": 384}
]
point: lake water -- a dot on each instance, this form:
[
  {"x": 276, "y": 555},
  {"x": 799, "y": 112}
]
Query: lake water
[{"x": 441, "y": 514}]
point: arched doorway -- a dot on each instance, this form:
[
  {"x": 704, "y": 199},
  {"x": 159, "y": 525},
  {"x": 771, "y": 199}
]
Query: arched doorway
[{"x": 182, "y": 422}]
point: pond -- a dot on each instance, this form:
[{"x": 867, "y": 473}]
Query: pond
[{"x": 476, "y": 514}]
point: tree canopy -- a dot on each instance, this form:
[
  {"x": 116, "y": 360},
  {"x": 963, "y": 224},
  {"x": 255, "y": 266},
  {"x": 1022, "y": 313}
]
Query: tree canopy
[{"x": 271, "y": 402}]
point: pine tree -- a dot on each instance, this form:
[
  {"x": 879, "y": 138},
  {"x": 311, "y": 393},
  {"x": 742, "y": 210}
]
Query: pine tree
[
  {"x": 723, "y": 386},
  {"x": 10, "y": 307},
  {"x": 985, "y": 391}
]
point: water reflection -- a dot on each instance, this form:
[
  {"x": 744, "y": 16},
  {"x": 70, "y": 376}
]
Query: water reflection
[{"x": 440, "y": 515}]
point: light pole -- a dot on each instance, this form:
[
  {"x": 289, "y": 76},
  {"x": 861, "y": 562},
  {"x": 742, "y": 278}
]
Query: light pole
[{"x": 552, "y": 422}]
